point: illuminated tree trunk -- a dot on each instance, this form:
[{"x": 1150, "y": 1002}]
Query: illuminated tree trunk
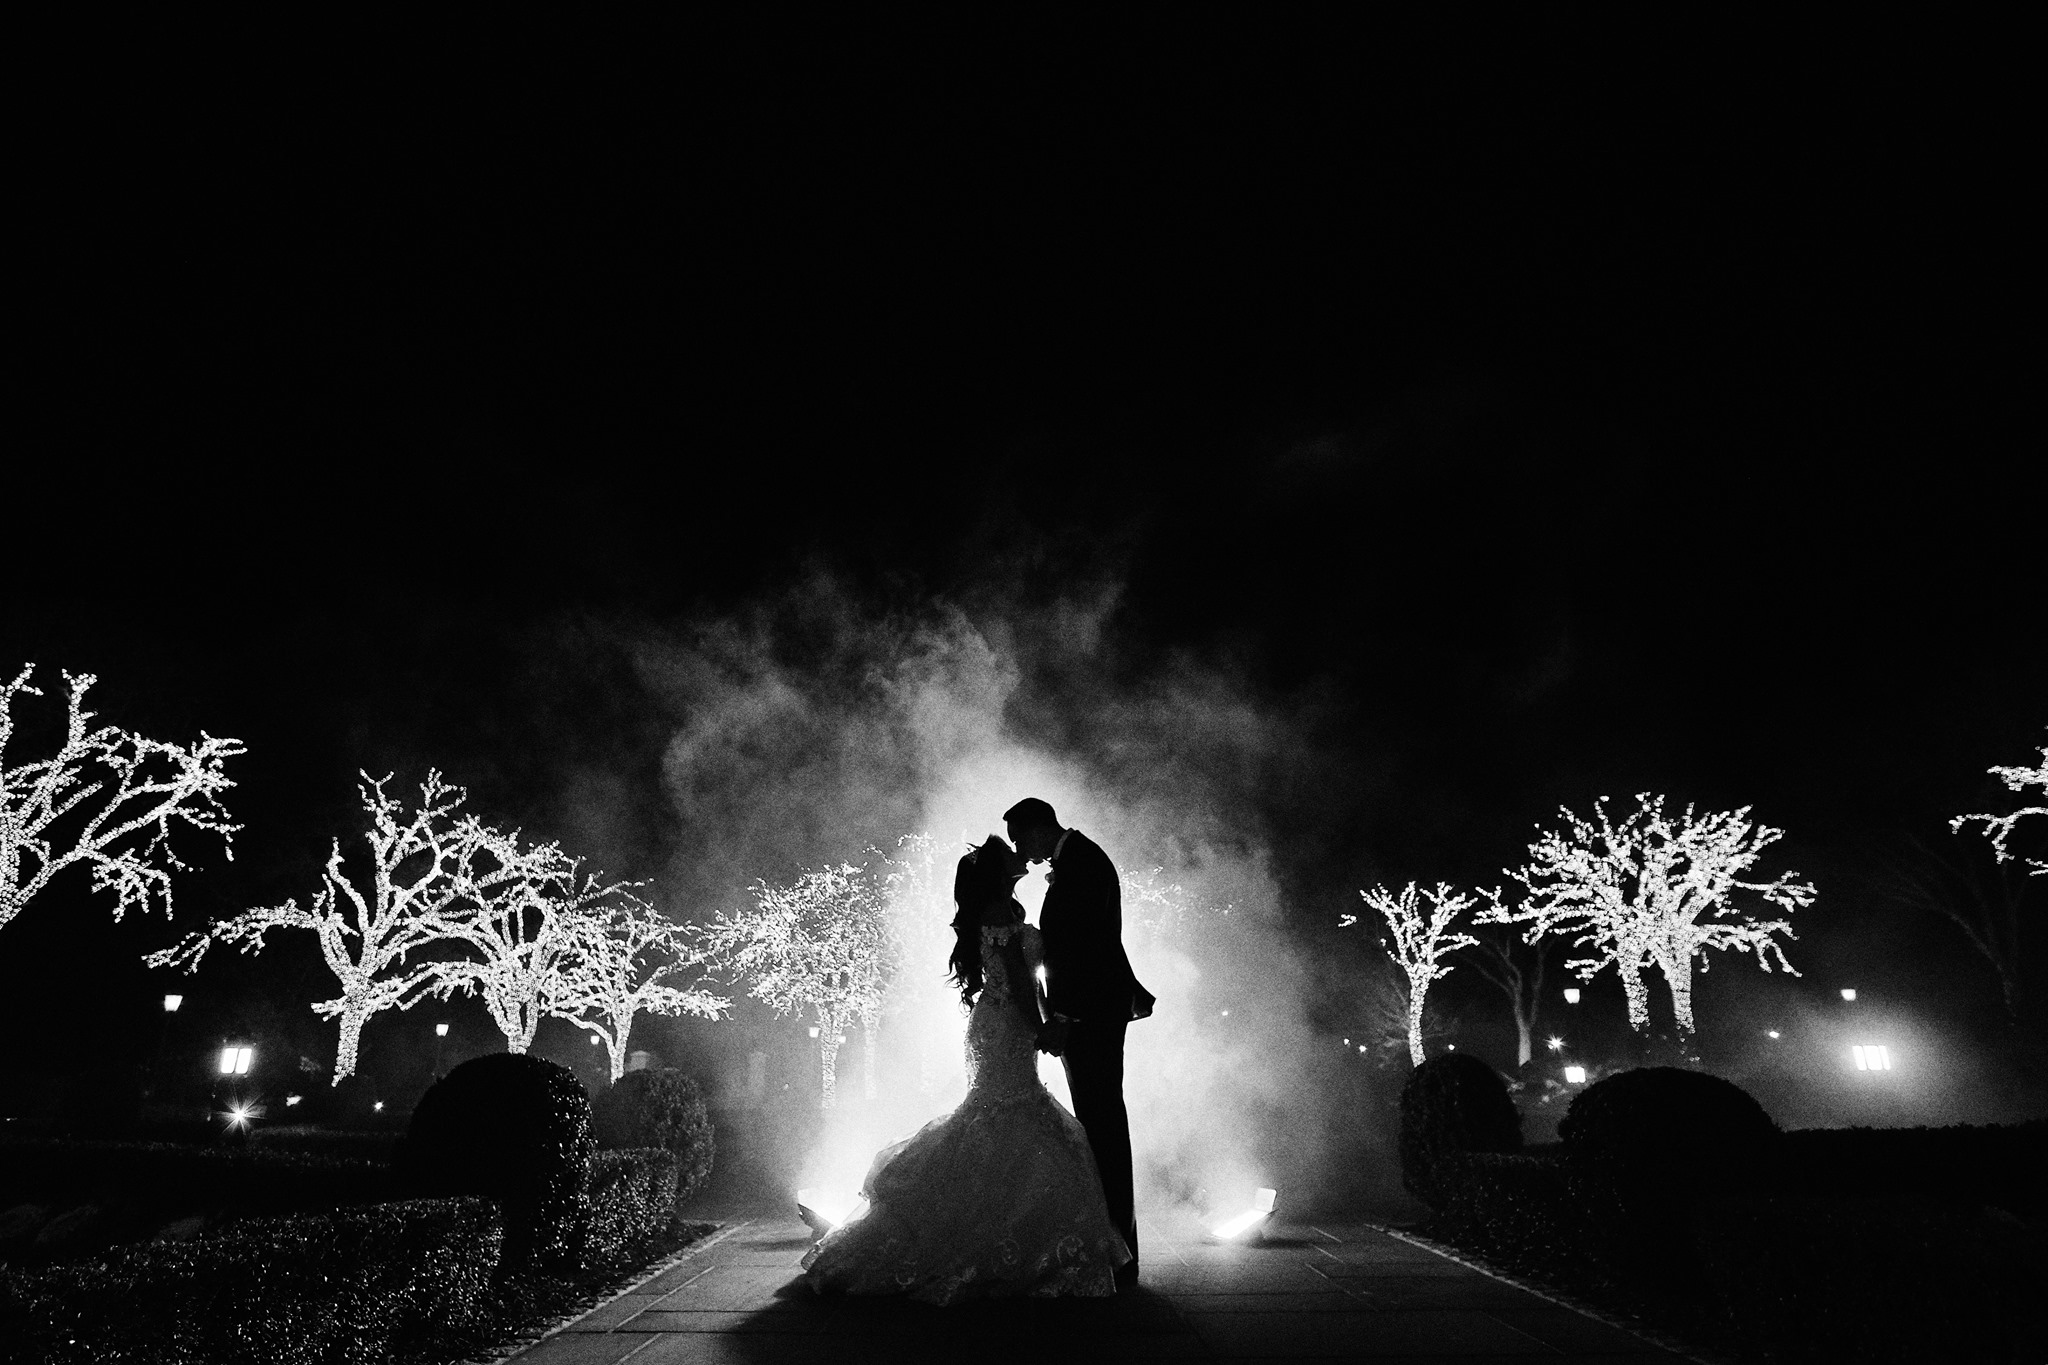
[
  {"x": 1678, "y": 973},
  {"x": 1638, "y": 996},
  {"x": 353, "y": 1016},
  {"x": 828, "y": 1054},
  {"x": 622, "y": 1032},
  {"x": 1415, "y": 997}
]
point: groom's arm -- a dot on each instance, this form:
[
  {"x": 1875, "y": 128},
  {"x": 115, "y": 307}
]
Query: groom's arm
[{"x": 1084, "y": 916}]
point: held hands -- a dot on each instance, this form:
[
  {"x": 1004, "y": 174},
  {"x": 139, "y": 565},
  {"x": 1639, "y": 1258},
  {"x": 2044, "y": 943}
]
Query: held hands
[{"x": 1052, "y": 1037}]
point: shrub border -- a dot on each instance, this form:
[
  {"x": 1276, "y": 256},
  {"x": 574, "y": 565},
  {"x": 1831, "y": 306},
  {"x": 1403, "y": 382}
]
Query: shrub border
[{"x": 1635, "y": 1327}]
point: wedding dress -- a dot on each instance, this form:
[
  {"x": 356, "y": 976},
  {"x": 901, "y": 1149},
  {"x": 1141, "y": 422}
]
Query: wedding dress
[{"x": 999, "y": 1197}]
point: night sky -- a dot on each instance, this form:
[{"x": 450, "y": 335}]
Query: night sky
[{"x": 1525, "y": 410}]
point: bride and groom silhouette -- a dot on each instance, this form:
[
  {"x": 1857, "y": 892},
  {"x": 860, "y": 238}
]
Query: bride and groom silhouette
[{"x": 1010, "y": 1194}]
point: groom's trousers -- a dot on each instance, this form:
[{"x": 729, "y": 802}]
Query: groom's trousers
[{"x": 1094, "y": 1059}]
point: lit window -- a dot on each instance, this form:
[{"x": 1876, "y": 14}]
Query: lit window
[
  {"x": 1871, "y": 1057},
  {"x": 227, "y": 1060},
  {"x": 243, "y": 1057}
]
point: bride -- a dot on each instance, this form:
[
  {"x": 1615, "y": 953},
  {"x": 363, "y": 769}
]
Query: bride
[{"x": 1001, "y": 1196}]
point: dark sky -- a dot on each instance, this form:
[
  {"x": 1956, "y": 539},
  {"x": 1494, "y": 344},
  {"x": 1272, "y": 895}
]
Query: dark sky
[{"x": 1539, "y": 403}]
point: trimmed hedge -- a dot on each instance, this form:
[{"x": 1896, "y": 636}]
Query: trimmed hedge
[
  {"x": 1678, "y": 1201},
  {"x": 512, "y": 1127},
  {"x": 140, "y": 1186},
  {"x": 2003, "y": 1166},
  {"x": 1452, "y": 1104},
  {"x": 658, "y": 1107},
  {"x": 336, "y": 1288},
  {"x": 1640, "y": 1147},
  {"x": 630, "y": 1199},
  {"x": 310, "y": 1140}
]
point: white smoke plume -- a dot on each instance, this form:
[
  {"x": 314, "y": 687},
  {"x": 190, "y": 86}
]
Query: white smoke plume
[{"x": 816, "y": 725}]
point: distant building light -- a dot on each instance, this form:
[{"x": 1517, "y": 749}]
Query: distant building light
[
  {"x": 1575, "y": 1075},
  {"x": 440, "y": 1030},
  {"x": 595, "y": 1040},
  {"x": 1347, "y": 1042},
  {"x": 1870, "y": 1057},
  {"x": 378, "y": 1107},
  {"x": 171, "y": 1003},
  {"x": 1454, "y": 1047},
  {"x": 1848, "y": 992},
  {"x": 1361, "y": 1047},
  {"x": 1226, "y": 1014},
  {"x": 1770, "y": 1033},
  {"x": 814, "y": 1031},
  {"x": 290, "y": 1100},
  {"x": 1571, "y": 995}
]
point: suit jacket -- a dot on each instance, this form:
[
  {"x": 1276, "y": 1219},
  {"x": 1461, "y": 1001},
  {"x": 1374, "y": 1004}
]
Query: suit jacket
[{"x": 1087, "y": 975}]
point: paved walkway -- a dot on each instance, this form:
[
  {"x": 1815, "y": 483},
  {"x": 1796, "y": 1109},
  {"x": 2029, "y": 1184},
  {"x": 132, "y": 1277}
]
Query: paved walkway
[{"x": 1321, "y": 1291}]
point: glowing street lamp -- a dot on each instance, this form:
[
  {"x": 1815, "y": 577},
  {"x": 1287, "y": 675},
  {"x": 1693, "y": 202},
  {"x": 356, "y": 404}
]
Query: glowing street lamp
[
  {"x": 440, "y": 1034},
  {"x": 1555, "y": 1044},
  {"x": 1575, "y": 1075},
  {"x": 290, "y": 1100},
  {"x": 377, "y": 1108},
  {"x": 1770, "y": 1033},
  {"x": 440, "y": 1030},
  {"x": 1848, "y": 992},
  {"x": 238, "y": 1116},
  {"x": 1571, "y": 995},
  {"x": 1247, "y": 1226},
  {"x": 171, "y": 1003}
]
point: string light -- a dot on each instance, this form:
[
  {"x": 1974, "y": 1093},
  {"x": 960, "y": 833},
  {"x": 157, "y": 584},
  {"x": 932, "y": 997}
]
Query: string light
[
  {"x": 1685, "y": 872},
  {"x": 128, "y": 800},
  {"x": 1420, "y": 943}
]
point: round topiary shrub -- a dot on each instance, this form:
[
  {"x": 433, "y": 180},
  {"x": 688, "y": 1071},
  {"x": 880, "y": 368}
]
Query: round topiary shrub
[
  {"x": 658, "y": 1107},
  {"x": 1640, "y": 1146},
  {"x": 1452, "y": 1104},
  {"x": 514, "y": 1128}
]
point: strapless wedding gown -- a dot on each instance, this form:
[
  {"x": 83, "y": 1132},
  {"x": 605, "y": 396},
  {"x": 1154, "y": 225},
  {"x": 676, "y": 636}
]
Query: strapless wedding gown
[{"x": 999, "y": 1197}]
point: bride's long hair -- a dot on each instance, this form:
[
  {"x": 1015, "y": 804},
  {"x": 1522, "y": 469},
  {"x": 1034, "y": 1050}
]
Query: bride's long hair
[{"x": 980, "y": 877}]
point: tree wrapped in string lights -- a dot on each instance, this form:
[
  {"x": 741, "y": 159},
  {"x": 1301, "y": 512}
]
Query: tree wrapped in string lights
[
  {"x": 624, "y": 957},
  {"x": 126, "y": 789},
  {"x": 821, "y": 943},
  {"x": 1652, "y": 890},
  {"x": 1420, "y": 941},
  {"x": 2000, "y": 827},
  {"x": 520, "y": 909},
  {"x": 376, "y": 929}
]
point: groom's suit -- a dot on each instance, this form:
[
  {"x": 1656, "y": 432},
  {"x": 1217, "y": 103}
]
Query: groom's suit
[{"x": 1088, "y": 980}]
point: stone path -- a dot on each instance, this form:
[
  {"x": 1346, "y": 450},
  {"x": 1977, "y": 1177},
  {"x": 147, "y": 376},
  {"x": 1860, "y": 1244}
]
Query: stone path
[{"x": 1313, "y": 1291}]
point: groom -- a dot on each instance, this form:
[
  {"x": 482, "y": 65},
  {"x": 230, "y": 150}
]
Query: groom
[{"x": 1090, "y": 994}]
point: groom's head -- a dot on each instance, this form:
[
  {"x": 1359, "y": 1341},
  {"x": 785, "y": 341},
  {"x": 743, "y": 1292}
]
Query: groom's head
[{"x": 1033, "y": 829}]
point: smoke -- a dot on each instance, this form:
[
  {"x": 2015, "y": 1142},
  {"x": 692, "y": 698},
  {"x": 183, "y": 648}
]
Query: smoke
[{"x": 818, "y": 724}]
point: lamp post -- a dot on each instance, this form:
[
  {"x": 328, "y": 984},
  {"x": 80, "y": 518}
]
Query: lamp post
[{"x": 440, "y": 1032}]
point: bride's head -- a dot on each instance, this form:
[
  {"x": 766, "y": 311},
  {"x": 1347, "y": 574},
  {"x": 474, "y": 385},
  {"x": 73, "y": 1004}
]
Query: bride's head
[{"x": 983, "y": 887}]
